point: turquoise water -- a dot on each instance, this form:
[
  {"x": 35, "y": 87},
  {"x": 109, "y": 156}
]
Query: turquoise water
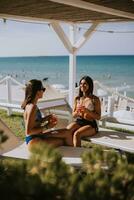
[{"x": 114, "y": 71}]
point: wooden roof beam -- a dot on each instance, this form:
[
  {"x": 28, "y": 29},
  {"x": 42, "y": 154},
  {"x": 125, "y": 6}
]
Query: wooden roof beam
[
  {"x": 85, "y": 36},
  {"x": 27, "y": 19},
  {"x": 96, "y": 8},
  {"x": 63, "y": 37}
]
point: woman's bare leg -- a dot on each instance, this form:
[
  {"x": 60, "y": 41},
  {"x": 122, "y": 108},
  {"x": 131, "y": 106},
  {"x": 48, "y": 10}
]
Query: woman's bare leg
[
  {"x": 73, "y": 126},
  {"x": 56, "y": 142},
  {"x": 63, "y": 134},
  {"x": 82, "y": 132}
]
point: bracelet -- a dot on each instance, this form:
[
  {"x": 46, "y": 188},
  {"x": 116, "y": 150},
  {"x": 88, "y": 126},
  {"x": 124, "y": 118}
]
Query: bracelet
[{"x": 46, "y": 126}]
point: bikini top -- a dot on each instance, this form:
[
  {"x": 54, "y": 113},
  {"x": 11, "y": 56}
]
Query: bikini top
[
  {"x": 38, "y": 115},
  {"x": 38, "y": 118},
  {"x": 90, "y": 106}
]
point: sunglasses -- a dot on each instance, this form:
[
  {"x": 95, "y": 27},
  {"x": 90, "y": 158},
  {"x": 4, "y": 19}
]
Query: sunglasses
[{"x": 43, "y": 89}]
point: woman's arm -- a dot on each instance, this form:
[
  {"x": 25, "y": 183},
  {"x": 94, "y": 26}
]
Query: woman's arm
[
  {"x": 49, "y": 121},
  {"x": 96, "y": 114},
  {"x": 75, "y": 113}
]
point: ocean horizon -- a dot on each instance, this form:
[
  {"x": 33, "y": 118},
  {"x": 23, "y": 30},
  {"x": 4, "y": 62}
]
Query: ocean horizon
[{"x": 116, "y": 71}]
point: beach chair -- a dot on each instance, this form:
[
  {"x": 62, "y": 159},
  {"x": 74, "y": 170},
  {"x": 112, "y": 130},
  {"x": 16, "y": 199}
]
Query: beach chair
[
  {"x": 15, "y": 148},
  {"x": 70, "y": 155},
  {"x": 124, "y": 142},
  {"x": 12, "y": 141},
  {"x": 58, "y": 106},
  {"x": 122, "y": 104}
]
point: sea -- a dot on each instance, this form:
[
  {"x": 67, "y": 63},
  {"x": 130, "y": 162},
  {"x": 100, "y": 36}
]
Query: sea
[{"x": 113, "y": 71}]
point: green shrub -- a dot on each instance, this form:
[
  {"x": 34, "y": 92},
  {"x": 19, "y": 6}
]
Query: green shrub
[
  {"x": 44, "y": 176},
  {"x": 104, "y": 175},
  {"x": 14, "y": 122}
]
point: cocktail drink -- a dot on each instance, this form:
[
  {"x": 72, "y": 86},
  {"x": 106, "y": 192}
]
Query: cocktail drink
[
  {"x": 80, "y": 108},
  {"x": 54, "y": 119}
]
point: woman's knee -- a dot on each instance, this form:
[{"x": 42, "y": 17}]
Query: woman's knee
[
  {"x": 70, "y": 126},
  {"x": 77, "y": 134},
  {"x": 67, "y": 133}
]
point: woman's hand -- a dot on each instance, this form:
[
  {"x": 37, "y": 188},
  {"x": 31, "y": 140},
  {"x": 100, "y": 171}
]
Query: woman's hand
[
  {"x": 49, "y": 121},
  {"x": 80, "y": 110},
  {"x": 47, "y": 118},
  {"x": 52, "y": 121}
]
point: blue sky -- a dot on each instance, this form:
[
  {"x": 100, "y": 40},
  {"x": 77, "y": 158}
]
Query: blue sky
[{"x": 25, "y": 39}]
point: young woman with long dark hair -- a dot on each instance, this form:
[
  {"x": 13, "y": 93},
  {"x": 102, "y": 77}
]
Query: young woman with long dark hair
[
  {"x": 37, "y": 128},
  {"x": 86, "y": 111}
]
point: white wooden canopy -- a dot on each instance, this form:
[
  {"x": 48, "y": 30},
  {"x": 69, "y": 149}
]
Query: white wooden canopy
[{"x": 71, "y": 12}]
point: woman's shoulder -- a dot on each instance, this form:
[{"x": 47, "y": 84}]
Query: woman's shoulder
[
  {"x": 30, "y": 107},
  {"x": 95, "y": 98},
  {"x": 77, "y": 98}
]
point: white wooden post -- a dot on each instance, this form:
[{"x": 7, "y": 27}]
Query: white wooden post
[
  {"x": 103, "y": 103},
  {"x": 9, "y": 98},
  {"x": 72, "y": 48},
  {"x": 125, "y": 93},
  {"x": 72, "y": 78},
  {"x": 72, "y": 67},
  {"x": 95, "y": 88},
  {"x": 110, "y": 109}
]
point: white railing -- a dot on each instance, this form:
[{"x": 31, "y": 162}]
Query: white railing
[
  {"x": 10, "y": 105},
  {"x": 114, "y": 101}
]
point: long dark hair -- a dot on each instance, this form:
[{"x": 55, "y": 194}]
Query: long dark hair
[
  {"x": 32, "y": 87},
  {"x": 89, "y": 81}
]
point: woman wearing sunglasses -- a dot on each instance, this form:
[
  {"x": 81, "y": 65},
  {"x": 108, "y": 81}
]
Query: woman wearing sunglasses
[{"x": 37, "y": 128}]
